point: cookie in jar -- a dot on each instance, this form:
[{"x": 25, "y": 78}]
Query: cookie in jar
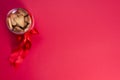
[{"x": 19, "y": 21}]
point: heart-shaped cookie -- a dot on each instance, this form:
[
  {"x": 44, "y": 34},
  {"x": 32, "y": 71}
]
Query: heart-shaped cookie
[{"x": 20, "y": 20}]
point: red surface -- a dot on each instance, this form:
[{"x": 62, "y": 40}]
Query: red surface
[{"x": 79, "y": 40}]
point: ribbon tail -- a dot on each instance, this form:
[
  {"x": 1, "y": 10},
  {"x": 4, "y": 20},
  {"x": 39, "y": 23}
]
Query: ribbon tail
[
  {"x": 20, "y": 53},
  {"x": 34, "y": 31}
]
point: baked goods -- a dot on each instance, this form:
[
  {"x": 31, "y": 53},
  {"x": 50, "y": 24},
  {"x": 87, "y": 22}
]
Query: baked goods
[{"x": 19, "y": 21}]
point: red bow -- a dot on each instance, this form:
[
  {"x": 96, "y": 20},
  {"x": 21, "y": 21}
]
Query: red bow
[{"x": 21, "y": 51}]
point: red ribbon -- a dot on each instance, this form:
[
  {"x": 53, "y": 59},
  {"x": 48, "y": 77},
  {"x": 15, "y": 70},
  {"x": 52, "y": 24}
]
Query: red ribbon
[{"x": 21, "y": 51}]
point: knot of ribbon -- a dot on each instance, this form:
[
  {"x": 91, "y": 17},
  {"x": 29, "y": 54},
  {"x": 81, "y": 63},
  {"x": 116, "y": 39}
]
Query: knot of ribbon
[{"x": 22, "y": 49}]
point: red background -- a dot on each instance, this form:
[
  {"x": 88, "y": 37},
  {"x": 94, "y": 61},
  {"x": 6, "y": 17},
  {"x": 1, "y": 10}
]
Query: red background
[{"x": 78, "y": 40}]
